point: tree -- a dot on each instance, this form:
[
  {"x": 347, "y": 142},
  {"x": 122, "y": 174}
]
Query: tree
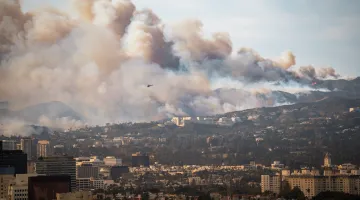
[
  {"x": 285, "y": 190},
  {"x": 296, "y": 193},
  {"x": 205, "y": 197},
  {"x": 145, "y": 196}
]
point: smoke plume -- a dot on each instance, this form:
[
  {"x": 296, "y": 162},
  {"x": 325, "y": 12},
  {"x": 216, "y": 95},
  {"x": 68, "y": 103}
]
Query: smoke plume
[{"x": 101, "y": 62}]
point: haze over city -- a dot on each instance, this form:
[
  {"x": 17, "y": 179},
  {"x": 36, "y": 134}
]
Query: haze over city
[{"x": 179, "y": 100}]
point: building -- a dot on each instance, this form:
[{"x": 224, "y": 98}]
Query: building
[
  {"x": 140, "y": 160},
  {"x": 97, "y": 183},
  {"x": 327, "y": 160},
  {"x": 194, "y": 180},
  {"x": 6, "y": 177},
  {"x": 83, "y": 195},
  {"x": 347, "y": 166},
  {"x": 43, "y": 148},
  {"x": 9, "y": 145},
  {"x": 83, "y": 184},
  {"x": 271, "y": 183},
  {"x": 18, "y": 188},
  {"x": 117, "y": 171},
  {"x": 31, "y": 167},
  {"x": 356, "y": 109},
  {"x": 57, "y": 165},
  {"x": 46, "y": 187},
  {"x": 313, "y": 185},
  {"x": 27, "y": 147},
  {"x": 87, "y": 171},
  {"x": 112, "y": 161},
  {"x": 276, "y": 165},
  {"x": 14, "y": 158}
]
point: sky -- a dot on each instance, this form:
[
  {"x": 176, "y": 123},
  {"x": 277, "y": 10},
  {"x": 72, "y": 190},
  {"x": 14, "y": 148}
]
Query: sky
[{"x": 319, "y": 32}]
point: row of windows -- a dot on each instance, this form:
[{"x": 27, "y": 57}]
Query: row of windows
[
  {"x": 20, "y": 195},
  {"x": 25, "y": 190}
]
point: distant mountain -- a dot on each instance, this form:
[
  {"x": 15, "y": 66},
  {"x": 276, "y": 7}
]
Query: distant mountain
[
  {"x": 346, "y": 89},
  {"x": 327, "y": 107},
  {"x": 52, "y": 110}
]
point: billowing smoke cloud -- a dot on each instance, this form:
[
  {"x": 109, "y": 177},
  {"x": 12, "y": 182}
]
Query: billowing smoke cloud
[
  {"x": 101, "y": 63},
  {"x": 18, "y": 128}
]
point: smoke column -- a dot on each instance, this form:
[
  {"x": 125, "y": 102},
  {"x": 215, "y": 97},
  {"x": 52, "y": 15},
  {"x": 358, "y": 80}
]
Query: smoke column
[{"x": 101, "y": 63}]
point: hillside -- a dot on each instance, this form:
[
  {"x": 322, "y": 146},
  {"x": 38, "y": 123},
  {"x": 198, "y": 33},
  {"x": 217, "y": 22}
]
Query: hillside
[{"x": 51, "y": 110}]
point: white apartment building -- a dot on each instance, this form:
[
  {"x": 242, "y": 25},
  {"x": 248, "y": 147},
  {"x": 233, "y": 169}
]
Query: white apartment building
[
  {"x": 18, "y": 188},
  {"x": 313, "y": 185},
  {"x": 271, "y": 183}
]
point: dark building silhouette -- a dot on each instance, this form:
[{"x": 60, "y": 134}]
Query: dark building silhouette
[
  {"x": 57, "y": 165},
  {"x": 140, "y": 160},
  {"x": 46, "y": 187},
  {"x": 26, "y": 144},
  {"x": 13, "y": 158},
  {"x": 117, "y": 171},
  {"x": 7, "y": 170}
]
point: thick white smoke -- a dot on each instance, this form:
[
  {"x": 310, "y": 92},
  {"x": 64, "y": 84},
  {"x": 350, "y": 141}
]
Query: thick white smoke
[{"x": 101, "y": 63}]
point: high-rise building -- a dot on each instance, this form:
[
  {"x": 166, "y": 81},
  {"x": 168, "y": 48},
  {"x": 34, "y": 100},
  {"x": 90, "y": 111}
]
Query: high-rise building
[
  {"x": 57, "y": 165},
  {"x": 46, "y": 187},
  {"x": 271, "y": 183},
  {"x": 6, "y": 177},
  {"x": 13, "y": 158},
  {"x": 327, "y": 160},
  {"x": 87, "y": 171},
  {"x": 18, "y": 188},
  {"x": 9, "y": 145},
  {"x": 140, "y": 160},
  {"x": 26, "y": 147},
  {"x": 43, "y": 148}
]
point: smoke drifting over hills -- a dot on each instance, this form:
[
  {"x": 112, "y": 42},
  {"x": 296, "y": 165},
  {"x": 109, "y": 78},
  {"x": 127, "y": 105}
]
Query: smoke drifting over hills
[{"x": 101, "y": 63}]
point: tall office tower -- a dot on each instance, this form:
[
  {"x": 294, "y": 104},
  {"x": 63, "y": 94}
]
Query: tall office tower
[
  {"x": 43, "y": 148},
  {"x": 57, "y": 165},
  {"x": 26, "y": 147},
  {"x": 9, "y": 145},
  {"x": 13, "y": 158}
]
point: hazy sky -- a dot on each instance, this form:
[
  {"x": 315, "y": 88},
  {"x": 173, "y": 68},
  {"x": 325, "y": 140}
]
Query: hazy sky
[{"x": 319, "y": 32}]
